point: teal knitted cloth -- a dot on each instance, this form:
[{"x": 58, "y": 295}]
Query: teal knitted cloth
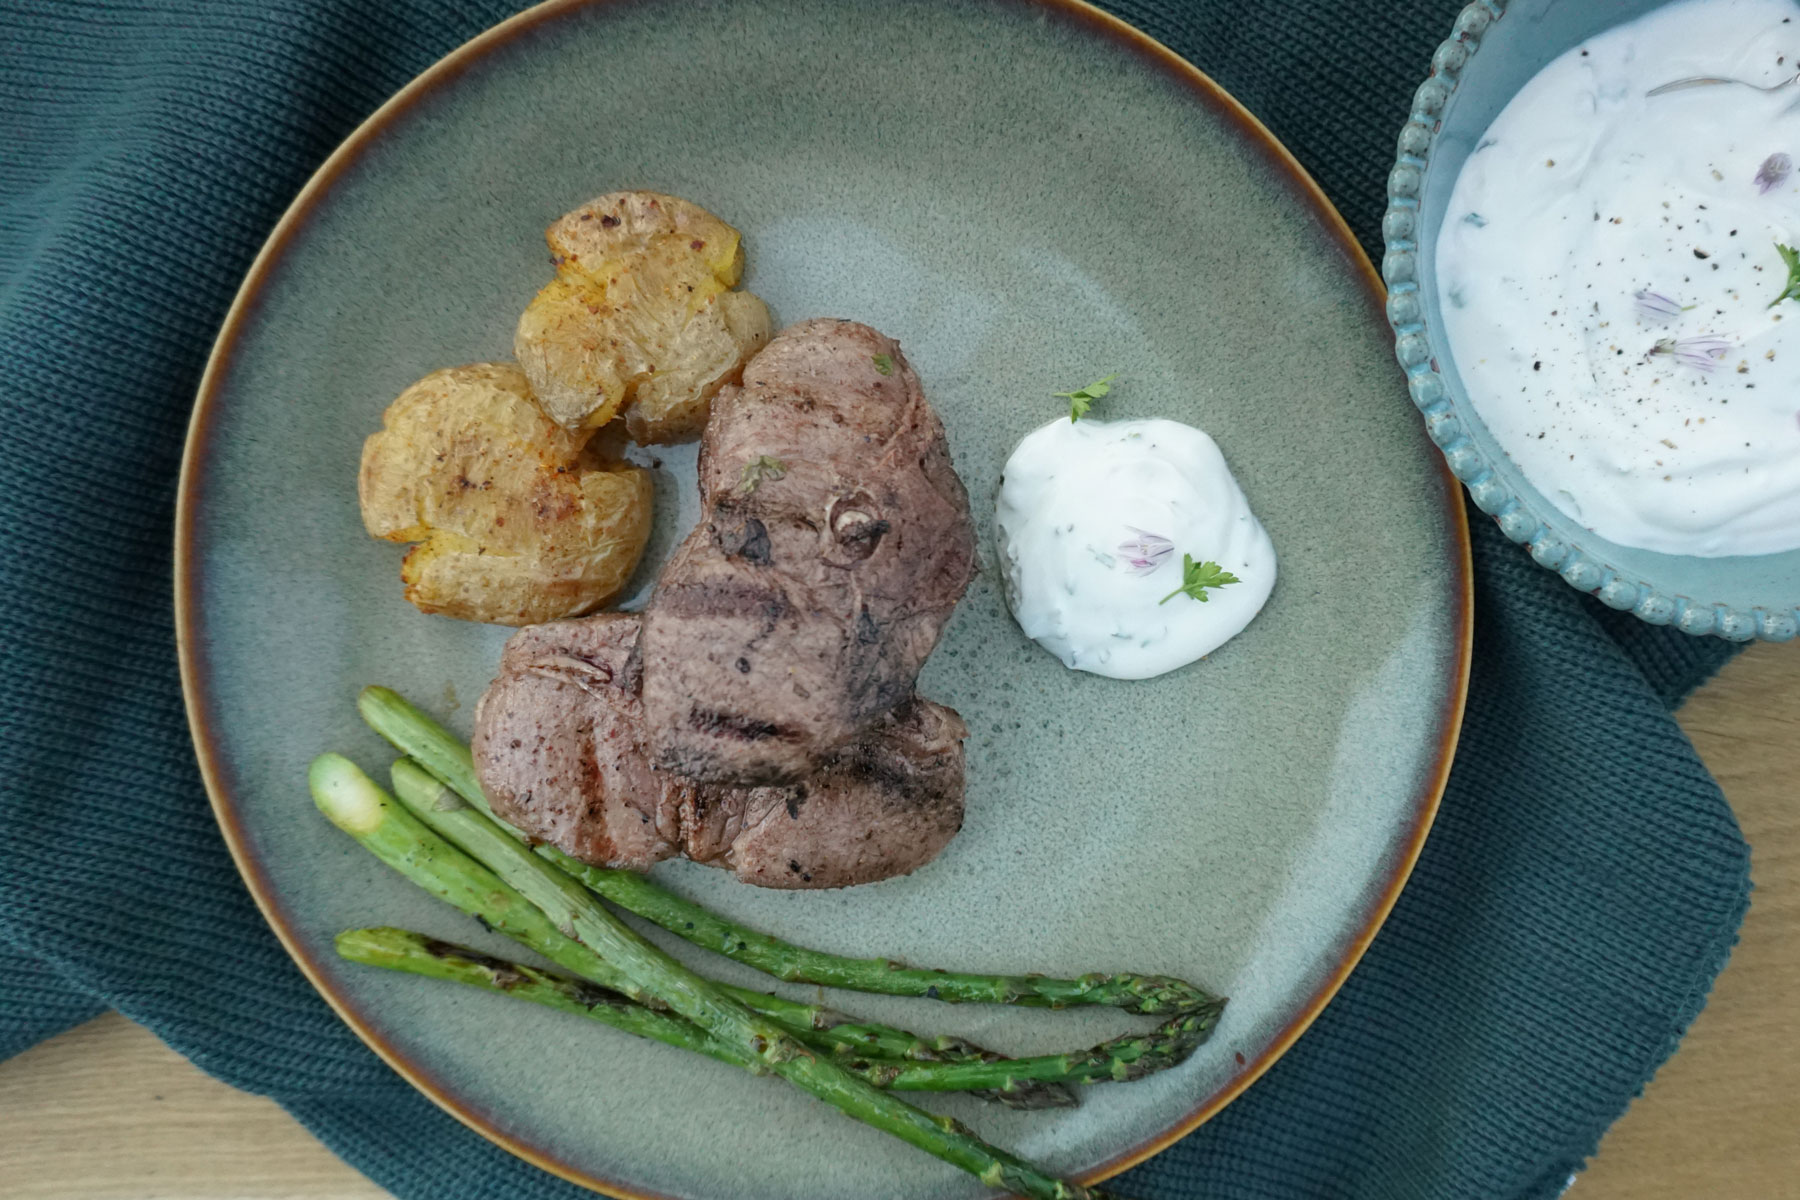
[{"x": 1582, "y": 887}]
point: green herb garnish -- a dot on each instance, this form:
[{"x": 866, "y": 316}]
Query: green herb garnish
[
  {"x": 1081, "y": 400},
  {"x": 1791, "y": 257},
  {"x": 884, "y": 365},
  {"x": 1196, "y": 577},
  {"x": 758, "y": 469}
]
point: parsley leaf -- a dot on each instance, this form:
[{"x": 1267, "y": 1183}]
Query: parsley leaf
[
  {"x": 1791, "y": 257},
  {"x": 758, "y": 469},
  {"x": 1081, "y": 399},
  {"x": 884, "y": 365},
  {"x": 1196, "y": 577}
]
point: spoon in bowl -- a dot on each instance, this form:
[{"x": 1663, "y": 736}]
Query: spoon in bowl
[{"x": 1680, "y": 85}]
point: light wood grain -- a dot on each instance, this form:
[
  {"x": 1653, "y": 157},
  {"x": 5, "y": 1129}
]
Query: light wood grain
[
  {"x": 1722, "y": 1118},
  {"x": 107, "y": 1112}
]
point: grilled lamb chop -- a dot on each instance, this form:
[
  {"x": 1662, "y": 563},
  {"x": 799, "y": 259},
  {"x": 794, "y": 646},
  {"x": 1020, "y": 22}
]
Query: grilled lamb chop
[
  {"x": 833, "y": 544},
  {"x": 559, "y": 749}
]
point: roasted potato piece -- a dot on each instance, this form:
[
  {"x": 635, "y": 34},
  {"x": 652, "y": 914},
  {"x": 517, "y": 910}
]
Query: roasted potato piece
[
  {"x": 518, "y": 520},
  {"x": 640, "y": 317}
]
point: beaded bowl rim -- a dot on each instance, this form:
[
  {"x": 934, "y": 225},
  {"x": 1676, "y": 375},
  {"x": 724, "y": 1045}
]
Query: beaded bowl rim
[{"x": 1518, "y": 518}]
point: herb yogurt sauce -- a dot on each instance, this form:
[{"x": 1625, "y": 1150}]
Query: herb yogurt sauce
[
  {"x": 1607, "y": 265},
  {"x": 1095, "y": 521}
]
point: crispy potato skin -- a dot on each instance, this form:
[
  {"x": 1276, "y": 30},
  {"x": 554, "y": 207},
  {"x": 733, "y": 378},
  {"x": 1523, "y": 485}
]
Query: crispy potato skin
[
  {"x": 641, "y": 317},
  {"x": 517, "y": 519}
]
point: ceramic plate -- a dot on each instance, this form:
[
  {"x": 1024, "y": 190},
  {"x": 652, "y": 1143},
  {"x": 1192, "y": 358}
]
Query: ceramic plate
[{"x": 1027, "y": 195}]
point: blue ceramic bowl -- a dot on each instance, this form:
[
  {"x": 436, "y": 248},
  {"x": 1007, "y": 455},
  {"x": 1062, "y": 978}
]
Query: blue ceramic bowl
[{"x": 1494, "y": 49}]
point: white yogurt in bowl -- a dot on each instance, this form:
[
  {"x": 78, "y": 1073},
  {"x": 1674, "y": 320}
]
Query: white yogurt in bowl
[{"x": 1606, "y": 268}]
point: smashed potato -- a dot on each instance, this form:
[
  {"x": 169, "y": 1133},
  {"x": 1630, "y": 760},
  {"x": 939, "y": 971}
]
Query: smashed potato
[
  {"x": 641, "y": 317},
  {"x": 517, "y": 519}
]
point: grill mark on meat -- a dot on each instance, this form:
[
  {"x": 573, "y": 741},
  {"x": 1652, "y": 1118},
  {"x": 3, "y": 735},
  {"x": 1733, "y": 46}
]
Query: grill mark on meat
[
  {"x": 735, "y": 725},
  {"x": 883, "y": 776},
  {"x": 724, "y": 598}
]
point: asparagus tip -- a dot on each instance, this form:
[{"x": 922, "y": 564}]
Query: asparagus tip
[
  {"x": 344, "y": 794},
  {"x": 373, "y": 697}
]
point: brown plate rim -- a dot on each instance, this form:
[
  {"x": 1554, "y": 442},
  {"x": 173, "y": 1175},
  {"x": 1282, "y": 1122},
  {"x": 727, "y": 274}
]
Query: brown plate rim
[{"x": 190, "y": 650}]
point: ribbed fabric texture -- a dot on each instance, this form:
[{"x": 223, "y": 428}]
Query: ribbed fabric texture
[{"x": 1581, "y": 889}]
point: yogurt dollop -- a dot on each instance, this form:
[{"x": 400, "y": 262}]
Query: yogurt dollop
[
  {"x": 1606, "y": 267},
  {"x": 1094, "y": 518}
]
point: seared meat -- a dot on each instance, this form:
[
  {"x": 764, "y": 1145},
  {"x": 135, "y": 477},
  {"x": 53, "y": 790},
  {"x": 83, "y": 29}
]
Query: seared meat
[
  {"x": 559, "y": 748},
  {"x": 882, "y": 804},
  {"x": 833, "y": 544}
]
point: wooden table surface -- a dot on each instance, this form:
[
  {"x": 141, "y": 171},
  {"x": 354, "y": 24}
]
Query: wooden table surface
[{"x": 106, "y": 1112}]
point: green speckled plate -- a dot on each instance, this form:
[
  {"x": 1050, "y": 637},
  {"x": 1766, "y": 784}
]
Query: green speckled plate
[{"x": 1027, "y": 195}]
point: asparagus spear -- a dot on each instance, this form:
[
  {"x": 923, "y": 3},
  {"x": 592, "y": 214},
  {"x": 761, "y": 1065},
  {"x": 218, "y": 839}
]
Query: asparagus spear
[
  {"x": 399, "y": 839},
  {"x": 346, "y": 796},
  {"x": 1016, "y": 1081},
  {"x": 1130, "y": 1056},
  {"x": 1147, "y": 994},
  {"x": 416, "y": 954},
  {"x": 355, "y": 804},
  {"x": 572, "y": 907},
  {"x": 440, "y": 753}
]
